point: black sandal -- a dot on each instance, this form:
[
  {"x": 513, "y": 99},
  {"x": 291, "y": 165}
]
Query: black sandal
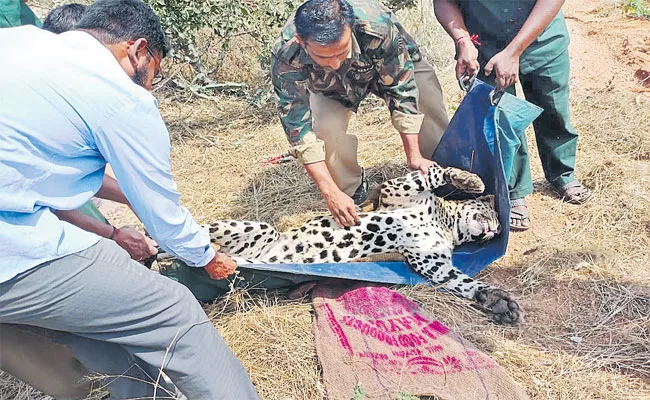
[{"x": 574, "y": 192}]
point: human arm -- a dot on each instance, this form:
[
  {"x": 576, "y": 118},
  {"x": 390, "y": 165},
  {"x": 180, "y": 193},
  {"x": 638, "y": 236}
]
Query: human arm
[
  {"x": 110, "y": 190},
  {"x": 505, "y": 64},
  {"x": 136, "y": 244},
  {"x": 450, "y": 17},
  {"x": 135, "y": 142},
  {"x": 290, "y": 84},
  {"x": 414, "y": 158},
  {"x": 396, "y": 84},
  {"x": 338, "y": 203}
]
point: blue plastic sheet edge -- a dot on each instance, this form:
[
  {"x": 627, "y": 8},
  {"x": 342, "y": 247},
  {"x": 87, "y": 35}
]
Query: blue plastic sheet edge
[
  {"x": 394, "y": 272},
  {"x": 476, "y": 153}
]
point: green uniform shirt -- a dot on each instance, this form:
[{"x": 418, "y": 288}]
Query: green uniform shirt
[
  {"x": 497, "y": 22},
  {"x": 16, "y": 13},
  {"x": 381, "y": 63}
]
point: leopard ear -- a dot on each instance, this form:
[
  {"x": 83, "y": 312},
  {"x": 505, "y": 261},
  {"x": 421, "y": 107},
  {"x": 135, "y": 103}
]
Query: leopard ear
[{"x": 490, "y": 198}]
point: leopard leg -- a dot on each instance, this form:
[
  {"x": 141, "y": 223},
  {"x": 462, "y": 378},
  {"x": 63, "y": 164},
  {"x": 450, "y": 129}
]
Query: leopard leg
[
  {"x": 246, "y": 239},
  {"x": 435, "y": 264},
  {"x": 463, "y": 180},
  {"x": 408, "y": 190}
]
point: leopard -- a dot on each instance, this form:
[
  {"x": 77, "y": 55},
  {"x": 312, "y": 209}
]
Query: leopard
[{"x": 407, "y": 218}]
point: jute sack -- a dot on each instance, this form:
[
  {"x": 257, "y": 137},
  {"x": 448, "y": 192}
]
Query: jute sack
[{"x": 374, "y": 338}]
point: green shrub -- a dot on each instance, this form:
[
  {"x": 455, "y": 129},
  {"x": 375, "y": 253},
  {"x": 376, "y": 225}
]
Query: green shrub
[
  {"x": 637, "y": 8},
  {"x": 225, "y": 21}
]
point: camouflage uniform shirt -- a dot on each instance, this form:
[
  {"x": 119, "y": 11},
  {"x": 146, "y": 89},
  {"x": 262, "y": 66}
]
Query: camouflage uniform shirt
[{"x": 381, "y": 62}]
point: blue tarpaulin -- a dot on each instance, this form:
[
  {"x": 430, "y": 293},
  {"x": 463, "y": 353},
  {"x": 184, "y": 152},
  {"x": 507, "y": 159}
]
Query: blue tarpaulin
[{"x": 481, "y": 138}]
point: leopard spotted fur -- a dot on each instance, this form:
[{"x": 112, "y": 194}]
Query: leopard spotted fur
[{"x": 409, "y": 219}]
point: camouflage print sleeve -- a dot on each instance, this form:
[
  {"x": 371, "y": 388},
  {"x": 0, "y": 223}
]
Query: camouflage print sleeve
[
  {"x": 397, "y": 83},
  {"x": 290, "y": 84}
]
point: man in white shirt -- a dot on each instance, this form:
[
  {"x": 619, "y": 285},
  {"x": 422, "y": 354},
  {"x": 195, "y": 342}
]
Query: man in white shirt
[{"x": 69, "y": 104}]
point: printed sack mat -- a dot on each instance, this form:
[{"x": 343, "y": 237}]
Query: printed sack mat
[{"x": 374, "y": 340}]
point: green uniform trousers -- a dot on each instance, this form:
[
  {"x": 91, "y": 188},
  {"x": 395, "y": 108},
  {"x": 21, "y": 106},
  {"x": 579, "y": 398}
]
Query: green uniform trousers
[
  {"x": 16, "y": 13},
  {"x": 557, "y": 141},
  {"x": 206, "y": 289},
  {"x": 89, "y": 208}
]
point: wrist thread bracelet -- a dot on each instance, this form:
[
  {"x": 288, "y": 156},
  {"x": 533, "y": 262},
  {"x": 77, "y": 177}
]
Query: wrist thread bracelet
[
  {"x": 473, "y": 38},
  {"x": 112, "y": 233},
  {"x": 461, "y": 38}
]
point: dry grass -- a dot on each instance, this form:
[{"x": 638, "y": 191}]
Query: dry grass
[
  {"x": 11, "y": 388},
  {"x": 580, "y": 272},
  {"x": 285, "y": 366}
]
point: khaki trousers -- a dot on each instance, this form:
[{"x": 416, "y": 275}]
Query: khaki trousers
[
  {"x": 330, "y": 122},
  {"x": 46, "y": 365}
]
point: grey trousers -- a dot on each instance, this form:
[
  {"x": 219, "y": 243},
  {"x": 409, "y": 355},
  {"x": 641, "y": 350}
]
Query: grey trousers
[{"x": 98, "y": 312}]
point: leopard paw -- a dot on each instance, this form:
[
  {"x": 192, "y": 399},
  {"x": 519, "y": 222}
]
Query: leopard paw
[
  {"x": 464, "y": 180},
  {"x": 500, "y": 306}
]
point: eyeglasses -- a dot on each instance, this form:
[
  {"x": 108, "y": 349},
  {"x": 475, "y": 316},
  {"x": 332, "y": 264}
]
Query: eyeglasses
[{"x": 158, "y": 77}]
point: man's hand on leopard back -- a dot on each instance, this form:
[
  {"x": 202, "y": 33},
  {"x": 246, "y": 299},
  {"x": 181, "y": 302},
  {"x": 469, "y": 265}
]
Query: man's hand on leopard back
[
  {"x": 220, "y": 267},
  {"x": 420, "y": 164},
  {"x": 135, "y": 243},
  {"x": 342, "y": 208}
]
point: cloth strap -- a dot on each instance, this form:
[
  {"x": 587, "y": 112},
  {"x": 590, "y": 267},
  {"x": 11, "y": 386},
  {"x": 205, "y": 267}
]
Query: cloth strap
[{"x": 518, "y": 202}]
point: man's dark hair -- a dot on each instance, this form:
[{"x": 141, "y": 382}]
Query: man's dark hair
[
  {"x": 323, "y": 21},
  {"x": 114, "y": 21},
  {"x": 64, "y": 18}
]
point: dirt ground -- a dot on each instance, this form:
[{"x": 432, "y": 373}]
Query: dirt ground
[{"x": 580, "y": 273}]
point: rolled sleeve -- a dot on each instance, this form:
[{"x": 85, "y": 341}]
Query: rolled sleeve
[
  {"x": 136, "y": 143},
  {"x": 309, "y": 150},
  {"x": 397, "y": 83},
  {"x": 408, "y": 124}
]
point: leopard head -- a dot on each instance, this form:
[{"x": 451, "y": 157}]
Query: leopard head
[{"x": 477, "y": 219}]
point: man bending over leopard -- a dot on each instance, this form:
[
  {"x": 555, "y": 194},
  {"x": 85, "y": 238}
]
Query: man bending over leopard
[{"x": 327, "y": 59}]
